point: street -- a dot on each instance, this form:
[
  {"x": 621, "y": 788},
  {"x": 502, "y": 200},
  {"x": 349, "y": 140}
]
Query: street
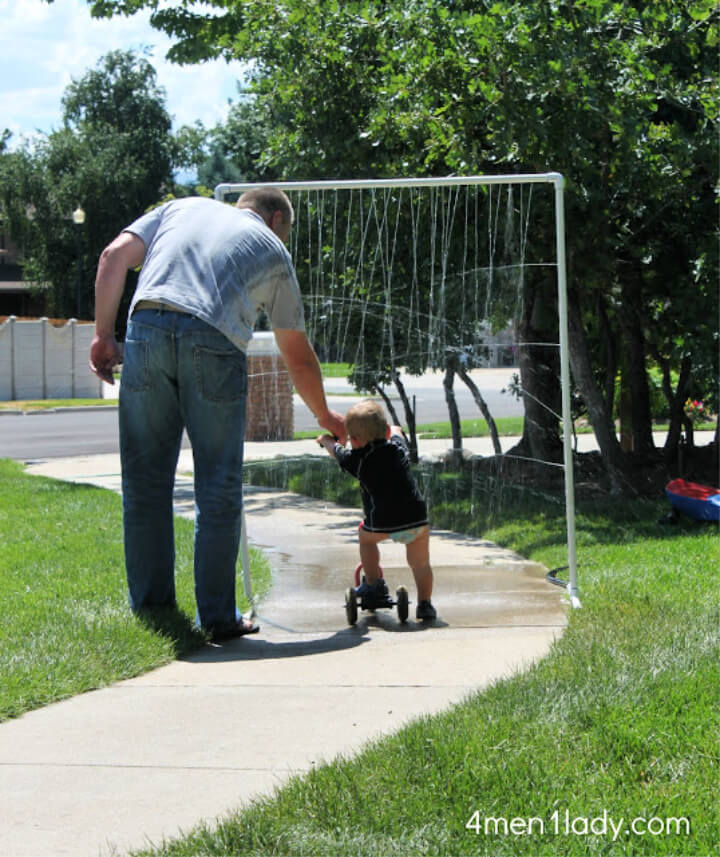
[{"x": 81, "y": 431}]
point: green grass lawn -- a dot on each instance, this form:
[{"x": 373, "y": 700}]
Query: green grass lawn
[
  {"x": 49, "y": 404},
  {"x": 66, "y": 626},
  {"x": 620, "y": 721},
  {"x": 506, "y": 426},
  {"x": 335, "y": 370}
]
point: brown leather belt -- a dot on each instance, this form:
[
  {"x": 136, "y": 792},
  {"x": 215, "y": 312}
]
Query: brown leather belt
[{"x": 159, "y": 305}]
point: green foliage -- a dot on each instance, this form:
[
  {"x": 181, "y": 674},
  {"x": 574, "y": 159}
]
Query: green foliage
[
  {"x": 120, "y": 94},
  {"x": 240, "y": 144},
  {"x": 112, "y": 157},
  {"x": 190, "y": 145},
  {"x": 229, "y": 152}
]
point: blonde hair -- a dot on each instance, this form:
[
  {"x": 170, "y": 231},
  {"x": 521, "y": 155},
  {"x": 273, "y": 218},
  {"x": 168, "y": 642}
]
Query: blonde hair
[
  {"x": 266, "y": 201},
  {"x": 366, "y": 421}
]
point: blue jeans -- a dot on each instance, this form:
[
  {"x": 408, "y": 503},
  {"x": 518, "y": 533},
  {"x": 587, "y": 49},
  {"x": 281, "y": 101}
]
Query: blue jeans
[{"x": 181, "y": 373}]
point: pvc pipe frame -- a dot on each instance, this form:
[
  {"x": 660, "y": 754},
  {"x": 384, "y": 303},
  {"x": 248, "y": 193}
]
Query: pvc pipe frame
[{"x": 558, "y": 180}]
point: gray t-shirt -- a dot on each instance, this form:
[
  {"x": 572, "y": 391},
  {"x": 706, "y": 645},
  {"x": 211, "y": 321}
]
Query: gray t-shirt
[{"x": 220, "y": 263}]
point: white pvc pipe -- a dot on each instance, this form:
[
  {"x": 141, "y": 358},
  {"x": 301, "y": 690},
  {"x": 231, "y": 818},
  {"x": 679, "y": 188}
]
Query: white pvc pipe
[
  {"x": 565, "y": 387},
  {"x": 366, "y": 184},
  {"x": 245, "y": 557}
]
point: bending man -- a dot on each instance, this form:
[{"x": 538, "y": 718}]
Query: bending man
[{"x": 207, "y": 270}]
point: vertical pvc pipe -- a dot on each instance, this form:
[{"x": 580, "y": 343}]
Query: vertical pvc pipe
[
  {"x": 44, "y": 323},
  {"x": 245, "y": 558},
  {"x": 13, "y": 384},
  {"x": 72, "y": 357},
  {"x": 559, "y": 183}
]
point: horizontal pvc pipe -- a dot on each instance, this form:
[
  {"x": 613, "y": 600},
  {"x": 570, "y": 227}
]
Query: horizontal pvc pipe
[{"x": 367, "y": 184}]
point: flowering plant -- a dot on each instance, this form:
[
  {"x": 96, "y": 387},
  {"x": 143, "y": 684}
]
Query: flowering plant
[{"x": 694, "y": 410}]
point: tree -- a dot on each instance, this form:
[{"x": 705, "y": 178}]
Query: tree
[
  {"x": 112, "y": 157},
  {"x": 619, "y": 97},
  {"x": 190, "y": 145},
  {"x": 244, "y": 140}
]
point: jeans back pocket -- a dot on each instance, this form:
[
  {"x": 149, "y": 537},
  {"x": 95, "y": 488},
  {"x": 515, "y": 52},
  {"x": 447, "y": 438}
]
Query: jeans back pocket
[{"x": 221, "y": 375}]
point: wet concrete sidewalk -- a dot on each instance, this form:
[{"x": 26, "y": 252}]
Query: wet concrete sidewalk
[{"x": 120, "y": 767}]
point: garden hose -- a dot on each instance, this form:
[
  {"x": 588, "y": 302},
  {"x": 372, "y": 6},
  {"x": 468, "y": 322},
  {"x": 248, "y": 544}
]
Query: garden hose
[{"x": 551, "y": 578}]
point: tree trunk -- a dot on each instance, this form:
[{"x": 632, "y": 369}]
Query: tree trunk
[
  {"x": 409, "y": 417},
  {"x": 539, "y": 377},
  {"x": 609, "y": 353},
  {"x": 676, "y": 402},
  {"x": 689, "y": 432},
  {"x": 388, "y": 404},
  {"x": 625, "y": 412},
  {"x": 448, "y": 381},
  {"x": 482, "y": 404},
  {"x": 636, "y": 365},
  {"x": 600, "y": 416}
]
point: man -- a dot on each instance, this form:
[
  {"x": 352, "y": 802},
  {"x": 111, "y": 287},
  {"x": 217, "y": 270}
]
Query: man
[{"x": 207, "y": 269}]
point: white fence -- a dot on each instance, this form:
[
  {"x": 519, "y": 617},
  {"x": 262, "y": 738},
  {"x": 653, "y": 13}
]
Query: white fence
[{"x": 41, "y": 361}]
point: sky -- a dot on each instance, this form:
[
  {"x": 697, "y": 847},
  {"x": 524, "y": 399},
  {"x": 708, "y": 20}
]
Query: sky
[{"x": 44, "y": 46}]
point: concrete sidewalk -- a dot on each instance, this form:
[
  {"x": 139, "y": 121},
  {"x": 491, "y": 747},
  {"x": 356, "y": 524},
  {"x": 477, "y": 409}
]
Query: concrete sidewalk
[{"x": 116, "y": 768}]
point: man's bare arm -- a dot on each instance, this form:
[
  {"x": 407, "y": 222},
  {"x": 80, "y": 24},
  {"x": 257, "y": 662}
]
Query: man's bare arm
[
  {"x": 124, "y": 252},
  {"x": 304, "y": 369}
]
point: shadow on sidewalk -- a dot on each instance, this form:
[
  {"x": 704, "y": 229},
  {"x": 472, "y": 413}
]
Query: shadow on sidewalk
[{"x": 255, "y": 649}]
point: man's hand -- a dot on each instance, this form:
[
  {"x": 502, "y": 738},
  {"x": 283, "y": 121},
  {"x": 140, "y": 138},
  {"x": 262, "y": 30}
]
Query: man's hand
[
  {"x": 335, "y": 424},
  {"x": 105, "y": 354},
  {"x": 398, "y": 430}
]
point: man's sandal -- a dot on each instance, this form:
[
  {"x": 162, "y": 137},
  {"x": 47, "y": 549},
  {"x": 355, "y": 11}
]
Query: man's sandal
[{"x": 240, "y": 629}]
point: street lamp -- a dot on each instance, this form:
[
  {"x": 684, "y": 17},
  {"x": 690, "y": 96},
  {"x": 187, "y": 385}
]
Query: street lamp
[{"x": 78, "y": 217}]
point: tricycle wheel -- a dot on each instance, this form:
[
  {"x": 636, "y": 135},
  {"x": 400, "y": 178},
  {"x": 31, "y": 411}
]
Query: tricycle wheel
[
  {"x": 402, "y": 603},
  {"x": 351, "y": 610}
]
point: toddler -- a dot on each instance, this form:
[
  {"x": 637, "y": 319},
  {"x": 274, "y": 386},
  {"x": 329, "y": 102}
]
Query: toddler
[{"x": 392, "y": 504}]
